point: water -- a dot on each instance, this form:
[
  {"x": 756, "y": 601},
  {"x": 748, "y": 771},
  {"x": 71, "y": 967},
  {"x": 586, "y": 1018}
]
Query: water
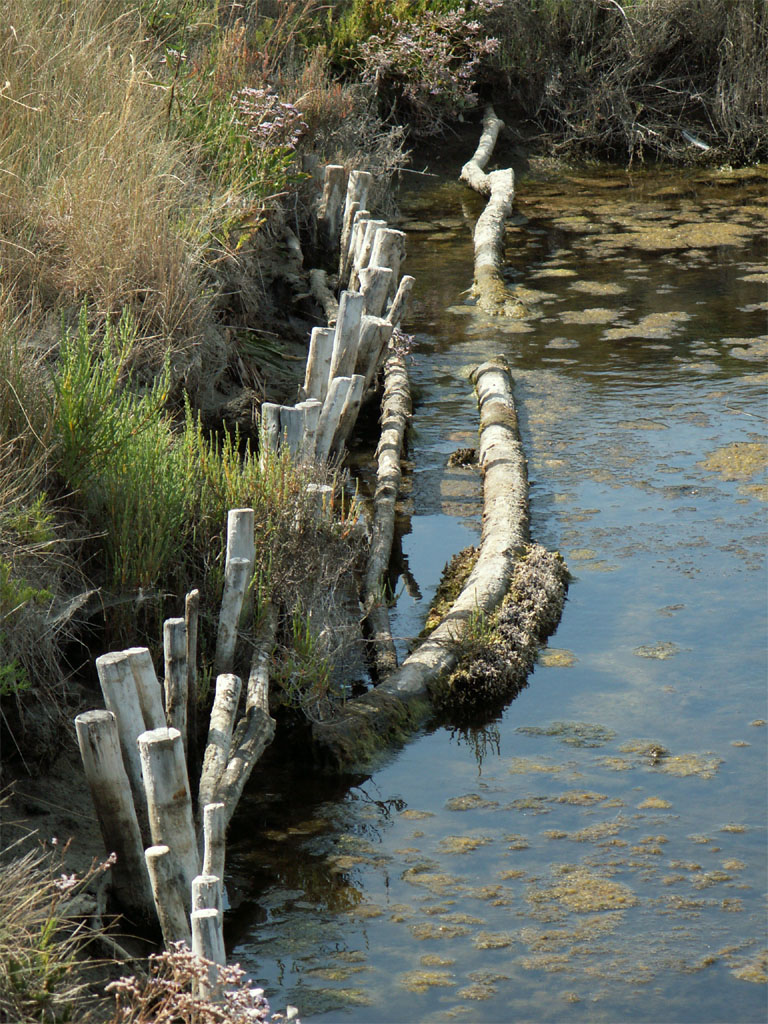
[{"x": 598, "y": 853}]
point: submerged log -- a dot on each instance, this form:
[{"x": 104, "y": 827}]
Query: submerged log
[
  {"x": 499, "y": 186},
  {"x": 401, "y": 701}
]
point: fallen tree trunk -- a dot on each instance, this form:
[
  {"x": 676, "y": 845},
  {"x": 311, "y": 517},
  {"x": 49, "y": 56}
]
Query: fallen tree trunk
[
  {"x": 399, "y": 703},
  {"x": 499, "y": 186}
]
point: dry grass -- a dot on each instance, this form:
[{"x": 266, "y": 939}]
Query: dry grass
[{"x": 94, "y": 200}]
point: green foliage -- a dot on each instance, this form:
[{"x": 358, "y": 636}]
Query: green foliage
[{"x": 304, "y": 674}]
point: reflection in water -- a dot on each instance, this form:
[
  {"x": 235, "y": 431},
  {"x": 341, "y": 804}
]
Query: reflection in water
[{"x": 598, "y": 853}]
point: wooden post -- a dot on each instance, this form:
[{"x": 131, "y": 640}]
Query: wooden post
[
  {"x": 206, "y": 893},
  {"x": 358, "y": 184},
  {"x": 350, "y": 212},
  {"x": 349, "y": 412},
  {"x": 241, "y": 539},
  {"x": 375, "y": 332},
  {"x": 237, "y": 575},
  {"x": 219, "y": 737},
  {"x": 329, "y": 417},
  {"x": 214, "y": 845},
  {"x": 375, "y": 284},
  {"x": 363, "y": 250},
  {"x": 191, "y": 617},
  {"x": 389, "y": 251},
  {"x": 111, "y": 793},
  {"x": 312, "y": 409},
  {"x": 319, "y": 362},
  {"x": 170, "y": 807},
  {"x": 329, "y": 209},
  {"x": 168, "y": 890},
  {"x": 122, "y": 699},
  {"x": 292, "y": 427},
  {"x": 208, "y": 942},
  {"x": 175, "y": 651},
  {"x": 270, "y": 425},
  {"x": 347, "y": 334},
  {"x": 355, "y": 238},
  {"x": 396, "y": 312},
  {"x": 147, "y": 687}
]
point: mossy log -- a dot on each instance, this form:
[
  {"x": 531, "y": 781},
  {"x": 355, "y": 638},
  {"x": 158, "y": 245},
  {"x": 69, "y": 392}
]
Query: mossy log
[
  {"x": 499, "y": 186},
  {"x": 369, "y": 722}
]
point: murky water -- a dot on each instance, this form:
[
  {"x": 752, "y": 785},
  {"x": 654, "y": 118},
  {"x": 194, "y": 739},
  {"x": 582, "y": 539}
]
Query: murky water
[{"x": 598, "y": 853}]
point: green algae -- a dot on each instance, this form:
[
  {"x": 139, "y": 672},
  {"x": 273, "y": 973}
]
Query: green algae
[
  {"x": 469, "y": 802},
  {"x": 584, "y": 891},
  {"x": 553, "y": 657},
  {"x": 420, "y": 981},
  {"x": 574, "y": 734},
  {"x": 463, "y": 844},
  {"x": 594, "y": 315},
  {"x": 435, "y": 960},
  {"x": 655, "y": 803},
  {"x": 739, "y": 461},
  {"x": 704, "y": 766},
  {"x": 661, "y": 650}
]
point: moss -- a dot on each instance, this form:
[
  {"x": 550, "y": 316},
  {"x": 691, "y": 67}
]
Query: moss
[
  {"x": 497, "y": 658},
  {"x": 452, "y": 582}
]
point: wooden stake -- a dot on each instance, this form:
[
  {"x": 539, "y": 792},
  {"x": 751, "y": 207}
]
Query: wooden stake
[
  {"x": 208, "y": 942},
  {"x": 99, "y": 745},
  {"x": 168, "y": 888},
  {"x": 375, "y": 284},
  {"x": 388, "y": 251},
  {"x": 191, "y": 617},
  {"x": 329, "y": 210},
  {"x": 319, "y": 362},
  {"x": 237, "y": 575},
  {"x": 219, "y": 737},
  {"x": 292, "y": 427},
  {"x": 175, "y": 651},
  {"x": 355, "y": 238},
  {"x": 311, "y": 409},
  {"x": 170, "y": 807},
  {"x": 349, "y": 412},
  {"x": 363, "y": 250},
  {"x": 206, "y": 893},
  {"x": 270, "y": 425},
  {"x": 375, "y": 332},
  {"x": 396, "y": 313},
  {"x": 147, "y": 686},
  {"x": 214, "y": 844},
  {"x": 329, "y": 417},
  {"x": 241, "y": 539},
  {"x": 122, "y": 699},
  {"x": 346, "y": 338}
]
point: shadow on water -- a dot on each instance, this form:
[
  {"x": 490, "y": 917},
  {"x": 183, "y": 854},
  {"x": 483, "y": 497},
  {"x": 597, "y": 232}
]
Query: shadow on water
[{"x": 597, "y": 853}]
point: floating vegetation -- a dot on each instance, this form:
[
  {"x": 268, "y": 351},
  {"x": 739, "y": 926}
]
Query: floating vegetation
[
  {"x": 755, "y": 970},
  {"x": 580, "y": 798},
  {"x": 428, "y": 930},
  {"x": 598, "y": 287},
  {"x": 654, "y": 325},
  {"x": 493, "y": 940},
  {"x": 740, "y": 461},
  {"x": 574, "y": 734},
  {"x": 435, "y": 960},
  {"x": 653, "y": 802},
  {"x": 596, "y": 315},
  {"x": 660, "y": 650},
  {"x": 585, "y": 892},
  {"x": 420, "y": 981},
  {"x": 413, "y": 815},
  {"x": 469, "y": 802},
  {"x": 553, "y": 657},
  {"x": 703, "y": 765},
  {"x": 463, "y": 844}
]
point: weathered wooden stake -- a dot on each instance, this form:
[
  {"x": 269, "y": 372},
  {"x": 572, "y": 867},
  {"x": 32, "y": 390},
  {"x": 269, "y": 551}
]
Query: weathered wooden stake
[
  {"x": 319, "y": 362},
  {"x": 347, "y": 334},
  {"x": 219, "y": 737},
  {"x": 329, "y": 211},
  {"x": 122, "y": 699},
  {"x": 175, "y": 651},
  {"x": 311, "y": 409},
  {"x": 270, "y": 425},
  {"x": 191, "y": 617},
  {"x": 168, "y": 798},
  {"x": 356, "y": 236},
  {"x": 208, "y": 942},
  {"x": 147, "y": 686},
  {"x": 206, "y": 893},
  {"x": 168, "y": 888},
  {"x": 396, "y": 312},
  {"x": 388, "y": 251},
  {"x": 237, "y": 575},
  {"x": 375, "y": 332},
  {"x": 363, "y": 249},
  {"x": 111, "y": 792},
  {"x": 349, "y": 412},
  {"x": 375, "y": 284},
  {"x": 292, "y": 427},
  {"x": 214, "y": 844},
  {"x": 329, "y": 417},
  {"x": 241, "y": 538}
]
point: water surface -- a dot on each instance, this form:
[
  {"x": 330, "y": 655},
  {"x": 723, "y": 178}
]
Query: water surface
[{"x": 598, "y": 853}]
